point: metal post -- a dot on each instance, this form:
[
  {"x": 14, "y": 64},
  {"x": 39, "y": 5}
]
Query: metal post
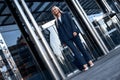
[
  {"x": 101, "y": 6},
  {"x": 104, "y": 5},
  {"x": 40, "y": 35},
  {"x": 90, "y": 26},
  {"x": 93, "y": 30},
  {"x": 37, "y": 43},
  {"x": 117, "y": 4},
  {"x": 4, "y": 70},
  {"x": 10, "y": 59},
  {"x": 107, "y": 5}
]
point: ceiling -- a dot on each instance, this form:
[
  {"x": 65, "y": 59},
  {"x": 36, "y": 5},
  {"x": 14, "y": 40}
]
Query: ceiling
[{"x": 41, "y": 10}]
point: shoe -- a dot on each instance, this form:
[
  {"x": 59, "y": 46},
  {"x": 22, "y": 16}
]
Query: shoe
[
  {"x": 86, "y": 69},
  {"x": 92, "y": 65}
]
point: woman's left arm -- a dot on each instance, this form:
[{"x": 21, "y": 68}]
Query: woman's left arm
[{"x": 72, "y": 25}]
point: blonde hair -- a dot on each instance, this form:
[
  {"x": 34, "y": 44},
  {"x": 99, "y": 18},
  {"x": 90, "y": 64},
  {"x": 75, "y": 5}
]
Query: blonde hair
[{"x": 57, "y": 9}]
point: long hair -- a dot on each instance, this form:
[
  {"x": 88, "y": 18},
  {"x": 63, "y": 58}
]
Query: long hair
[{"x": 57, "y": 9}]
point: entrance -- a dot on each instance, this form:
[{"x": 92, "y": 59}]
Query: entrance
[
  {"x": 61, "y": 57},
  {"x": 108, "y": 28},
  {"x": 44, "y": 39},
  {"x": 17, "y": 60},
  {"x": 63, "y": 54}
]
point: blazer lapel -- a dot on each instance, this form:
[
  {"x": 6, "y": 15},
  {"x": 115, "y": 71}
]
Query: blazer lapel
[
  {"x": 59, "y": 23},
  {"x": 62, "y": 17}
]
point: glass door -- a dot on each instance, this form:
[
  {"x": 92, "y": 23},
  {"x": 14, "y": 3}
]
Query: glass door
[
  {"x": 22, "y": 56},
  {"x": 109, "y": 29},
  {"x": 63, "y": 54}
]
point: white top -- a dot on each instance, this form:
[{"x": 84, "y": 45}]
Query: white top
[{"x": 60, "y": 18}]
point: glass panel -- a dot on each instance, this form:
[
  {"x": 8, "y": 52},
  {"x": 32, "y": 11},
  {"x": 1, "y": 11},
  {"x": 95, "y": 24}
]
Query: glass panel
[
  {"x": 2, "y": 18},
  {"x": 109, "y": 30},
  {"x": 44, "y": 6},
  {"x": 113, "y": 5},
  {"x": 22, "y": 55},
  {"x": 35, "y": 5},
  {"x": 1, "y": 5},
  {"x": 9, "y": 20},
  {"x": 64, "y": 56},
  {"x": 6, "y": 11},
  {"x": 114, "y": 32},
  {"x": 4, "y": 73}
]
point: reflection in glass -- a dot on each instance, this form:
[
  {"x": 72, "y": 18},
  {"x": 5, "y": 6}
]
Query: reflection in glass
[
  {"x": 3, "y": 69},
  {"x": 109, "y": 30},
  {"x": 22, "y": 56}
]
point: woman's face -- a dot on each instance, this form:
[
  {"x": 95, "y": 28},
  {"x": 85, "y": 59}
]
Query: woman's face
[{"x": 55, "y": 11}]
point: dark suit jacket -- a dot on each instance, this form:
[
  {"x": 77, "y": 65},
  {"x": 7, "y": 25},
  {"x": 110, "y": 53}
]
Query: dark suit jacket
[{"x": 66, "y": 28}]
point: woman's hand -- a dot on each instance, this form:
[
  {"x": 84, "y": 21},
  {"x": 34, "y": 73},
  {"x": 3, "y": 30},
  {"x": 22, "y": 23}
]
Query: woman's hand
[{"x": 74, "y": 34}]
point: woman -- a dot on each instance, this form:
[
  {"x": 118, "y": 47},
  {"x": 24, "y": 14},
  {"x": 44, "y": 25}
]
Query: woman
[{"x": 68, "y": 35}]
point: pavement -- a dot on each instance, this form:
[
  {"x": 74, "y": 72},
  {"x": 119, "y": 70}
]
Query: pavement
[{"x": 105, "y": 68}]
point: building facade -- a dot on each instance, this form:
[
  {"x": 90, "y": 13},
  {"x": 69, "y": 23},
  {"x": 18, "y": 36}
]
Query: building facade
[{"x": 29, "y": 45}]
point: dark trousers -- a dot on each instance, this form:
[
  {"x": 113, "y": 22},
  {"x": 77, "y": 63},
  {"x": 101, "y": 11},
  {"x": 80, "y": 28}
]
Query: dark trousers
[{"x": 81, "y": 54}]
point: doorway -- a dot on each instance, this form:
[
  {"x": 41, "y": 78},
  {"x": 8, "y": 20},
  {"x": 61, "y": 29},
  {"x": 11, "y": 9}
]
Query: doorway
[{"x": 23, "y": 58}]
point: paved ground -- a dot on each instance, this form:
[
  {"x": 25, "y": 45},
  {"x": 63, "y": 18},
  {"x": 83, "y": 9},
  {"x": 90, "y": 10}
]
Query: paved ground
[{"x": 106, "y": 68}]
